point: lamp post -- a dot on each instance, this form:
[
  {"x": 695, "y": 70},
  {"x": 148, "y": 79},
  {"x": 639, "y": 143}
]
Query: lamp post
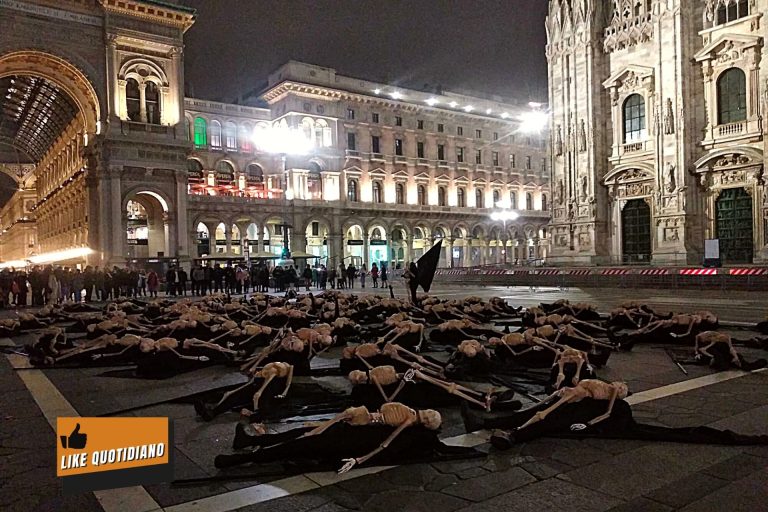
[
  {"x": 504, "y": 216},
  {"x": 283, "y": 141}
]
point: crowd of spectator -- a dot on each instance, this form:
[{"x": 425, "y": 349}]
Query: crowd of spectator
[{"x": 37, "y": 286}]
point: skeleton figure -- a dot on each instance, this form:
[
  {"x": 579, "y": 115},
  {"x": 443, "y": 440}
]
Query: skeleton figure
[
  {"x": 706, "y": 340},
  {"x": 393, "y": 414},
  {"x": 587, "y": 388},
  {"x": 407, "y": 333},
  {"x": 268, "y": 373},
  {"x": 570, "y": 356},
  {"x": 518, "y": 344},
  {"x": 381, "y": 376},
  {"x": 679, "y": 322},
  {"x": 165, "y": 345}
]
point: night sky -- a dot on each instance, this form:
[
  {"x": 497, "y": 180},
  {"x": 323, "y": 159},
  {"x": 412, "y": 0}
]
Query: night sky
[{"x": 490, "y": 46}]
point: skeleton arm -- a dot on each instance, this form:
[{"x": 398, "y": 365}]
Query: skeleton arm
[{"x": 350, "y": 463}]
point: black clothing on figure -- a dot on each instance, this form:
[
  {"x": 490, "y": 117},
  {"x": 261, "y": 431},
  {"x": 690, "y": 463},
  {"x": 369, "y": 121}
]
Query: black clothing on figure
[
  {"x": 342, "y": 441},
  {"x": 571, "y": 419}
]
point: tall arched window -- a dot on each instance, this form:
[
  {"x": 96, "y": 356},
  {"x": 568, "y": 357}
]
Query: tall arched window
[
  {"x": 461, "y": 198},
  {"x": 634, "y": 118},
  {"x": 422, "y": 195},
  {"x": 255, "y": 173},
  {"x": 528, "y": 201},
  {"x": 246, "y": 136},
  {"x": 732, "y": 96},
  {"x": 133, "y": 100},
  {"x": 399, "y": 193},
  {"x": 377, "y": 193},
  {"x": 479, "y": 198},
  {"x": 215, "y": 134},
  {"x": 230, "y": 136},
  {"x": 496, "y": 197},
  {"x": 544, "y": 202},
  {"x": 352, "y": 190},
  {"x": 441, "y": 196},
  {"x": 201, "y": 132},
  {"x": 513, "y": 199},
  {"x": 152, "y": 95},
  {"x": 314, "y": 182}
]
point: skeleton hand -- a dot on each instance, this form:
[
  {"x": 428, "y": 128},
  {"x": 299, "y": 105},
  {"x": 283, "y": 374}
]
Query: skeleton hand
[
  {"x": 350, "y": 463},
  {"x": 409, "y": 375}
]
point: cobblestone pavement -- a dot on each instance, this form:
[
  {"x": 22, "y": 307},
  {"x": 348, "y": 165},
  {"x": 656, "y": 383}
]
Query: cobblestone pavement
[{"x": 543, "y": 475}]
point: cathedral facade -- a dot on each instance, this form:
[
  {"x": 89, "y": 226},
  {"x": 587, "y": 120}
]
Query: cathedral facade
[{"x": 657, "y": 131}]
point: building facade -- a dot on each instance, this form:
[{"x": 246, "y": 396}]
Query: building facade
[
  {"x": 346, "y": 169},
  {"x": 657, "y": 131}
]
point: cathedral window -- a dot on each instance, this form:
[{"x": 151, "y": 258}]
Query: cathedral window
[
  {"x": 732, "y": 96},
  {"x": 634, "y": 118},
  {"x": 730, "y": 10},
  {"x": 201, "y": 132}
]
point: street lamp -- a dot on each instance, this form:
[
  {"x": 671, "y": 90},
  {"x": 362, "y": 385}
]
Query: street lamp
[
  {"x": 533, "y": 121},
  {"x": 284, "y": 141},
  {"x": 505, "y": 216}
]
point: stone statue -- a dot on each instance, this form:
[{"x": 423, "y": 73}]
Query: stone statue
[
  {"x": 559, "y": 141},
  {"x": 584, "y": 187},
  {"x": 560, "y": 192},
  {"x": 669, "y": 120},
  {"x": 669, "y": 178},
  {"x": 582, "y": 137}
]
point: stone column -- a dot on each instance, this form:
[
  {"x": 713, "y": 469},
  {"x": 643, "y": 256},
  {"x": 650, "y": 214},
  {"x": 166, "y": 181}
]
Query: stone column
[
  {"x": 408, "y": 250},
  {"x": 468, "y": 253},
  {"x": 335, "y": 252},
  {"x": 299, "y": 242},
  {"x": 118, "y": 225},
  {"x": 228, "y": 238},
  {"x": 143, "y": 101},
  {"x": 449, "y": 249},
  {"x": 366, "y": 248},
  {"x": 503, "y": 256}
]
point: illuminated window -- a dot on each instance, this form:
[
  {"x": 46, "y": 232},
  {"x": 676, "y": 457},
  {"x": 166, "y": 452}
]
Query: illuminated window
[
  {"x": 732, "y": 96},
  {"x": 216, "y": 134},
  {"x": 133, "y": 100},
  {"x": 634, "y": 118},
  {"x": 201, "y": 132},
  {"x": 230, "y": 136},
  {"x": 152, "y": 97}
]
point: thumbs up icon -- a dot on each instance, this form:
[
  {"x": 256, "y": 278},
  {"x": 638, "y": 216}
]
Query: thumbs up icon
[{"x": 76, "y": 440}]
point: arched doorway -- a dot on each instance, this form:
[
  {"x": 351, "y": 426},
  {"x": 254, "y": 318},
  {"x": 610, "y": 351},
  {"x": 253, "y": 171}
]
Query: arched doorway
[
  {"x": 221, "y": 238},
  {"x": 146, "y": 226},
  {"x": 398, "y": 249},
  {"x": 733, "y": 225},
  {"x": 378, "y": 248},
  {"x": 354, "y": 245},
  {"x": 317, "y": 240},
  {"x": 636, "y": 232},
  {"x": 49, "y": 116},
  {"x": 203, "y": 240}
]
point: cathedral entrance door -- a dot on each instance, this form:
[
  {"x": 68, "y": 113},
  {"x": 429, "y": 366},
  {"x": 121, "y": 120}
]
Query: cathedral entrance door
[
  {"x": 734, "y": 225},
  {"x": 636, "y": 232}
]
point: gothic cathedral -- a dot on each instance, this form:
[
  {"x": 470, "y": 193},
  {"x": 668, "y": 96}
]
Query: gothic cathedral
[{"x": 657, "y": 130}]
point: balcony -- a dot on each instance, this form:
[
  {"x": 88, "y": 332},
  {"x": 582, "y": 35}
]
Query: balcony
[
  {"x": 400, "y": 159},
  {"x": 377, "y": 157},
  {"x": 422, "y": 162},
  {"x": 731, "y": 129},
  {"x": 632, "y": 149},
  {"x": 351, "y": 153},
  {"x": 442, "y": 163}
]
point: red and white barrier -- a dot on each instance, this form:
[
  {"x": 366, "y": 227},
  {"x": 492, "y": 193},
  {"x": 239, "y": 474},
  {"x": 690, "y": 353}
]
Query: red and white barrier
[
  {"x": 698, "y": 271},
  {"x": 495, "y": 272},
  {"x": 748, "y": 271},
  {"x": 615, "y": 271},
  {"x": 654, "y": 272},
  {"x": 547, "y": 272},
  {"x": 580, "y": 272}
]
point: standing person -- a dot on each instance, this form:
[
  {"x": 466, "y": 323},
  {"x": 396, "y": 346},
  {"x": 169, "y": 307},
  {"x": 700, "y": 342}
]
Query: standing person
[
  {"x": 384, "y": 276},
  {"x": 77, "y": 285},
  {"x": 410, "y": 276},
  {"x": 89, "y": 280},
  {"x": 341, "y": 277},
  {"x": 141, "y": 283},
  {"x": 99, "y": 283},
  {"x": 351, "y": 273},
  {"x": 310, "y": 277},
  {"x": 36, "y": 286},
  {"x": 323, "y": 277},
  {"x": 182, "y": 284},
  {"x": 239, "y": 278},
  {"x": 198, "y": 278},
  {"x": 20, "y": 299},
  {"x": 170, "y": 281},
  {"x": 362, "y": 273},
  {"x": 332, "y": 277},
  {"x": 153, "y": 283},
  {"x": 54, "y": 287},
  {"x": 375, "y": 275},
  {"x": 315, "y": 276}
]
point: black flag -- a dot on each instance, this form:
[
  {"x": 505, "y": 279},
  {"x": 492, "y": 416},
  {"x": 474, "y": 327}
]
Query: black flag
[{"x": 427, "y": 265}]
